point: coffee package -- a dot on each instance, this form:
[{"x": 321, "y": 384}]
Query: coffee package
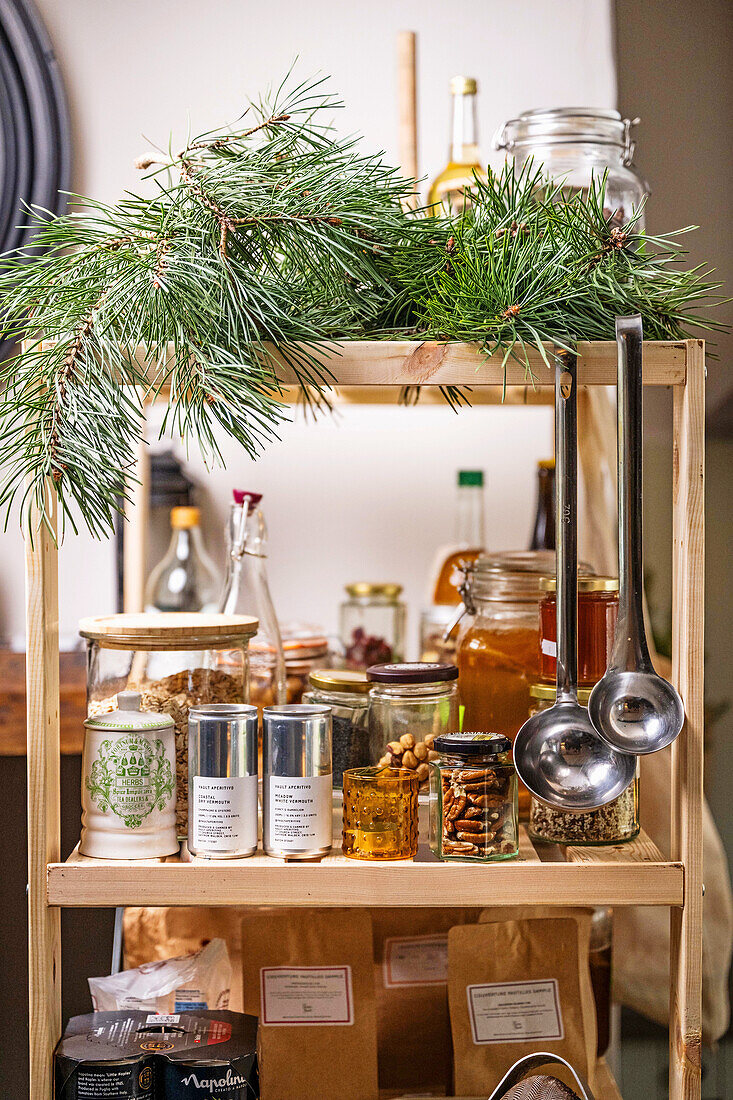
[
  {"x": 308, "y": 976},
  {"x": 411, "y": 983},
  {"x": 516, "y": 987},
  {"x": 151, "y": 1056}
]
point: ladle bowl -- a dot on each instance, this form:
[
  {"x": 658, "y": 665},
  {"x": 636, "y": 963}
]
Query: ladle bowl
[
  {"x": 635, "y": 712},
  {"x": 560, "y": 758}
]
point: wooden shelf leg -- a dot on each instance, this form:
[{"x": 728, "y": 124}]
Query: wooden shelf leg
[
  {"x": 42, "y": 691},
  {"x": 688, "y": 571}
]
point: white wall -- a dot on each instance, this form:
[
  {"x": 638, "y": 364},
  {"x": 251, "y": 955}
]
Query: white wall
[{"x": 146, "y": 66}]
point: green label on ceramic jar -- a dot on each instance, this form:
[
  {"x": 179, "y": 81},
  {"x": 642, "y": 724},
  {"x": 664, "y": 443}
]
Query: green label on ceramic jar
[{"x": 131, "y": 777}]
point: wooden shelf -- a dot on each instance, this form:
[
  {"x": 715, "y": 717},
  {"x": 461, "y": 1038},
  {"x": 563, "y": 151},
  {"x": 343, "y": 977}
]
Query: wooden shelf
[
  {"x": 635, "y": 873},
  {"x": 373, "y": 363}
]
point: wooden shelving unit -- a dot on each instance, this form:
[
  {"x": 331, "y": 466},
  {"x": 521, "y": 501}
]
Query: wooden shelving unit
[{"x": 631, "y": 874}]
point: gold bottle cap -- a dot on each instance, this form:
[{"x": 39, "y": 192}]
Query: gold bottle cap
[
  {"x": 185, "y": 516},
  {"x": 463, "y": 85},
  {"x": 546, "y": 464},
  {"x": 548, "y": 693},
  {"x": 340, "y": 679}
]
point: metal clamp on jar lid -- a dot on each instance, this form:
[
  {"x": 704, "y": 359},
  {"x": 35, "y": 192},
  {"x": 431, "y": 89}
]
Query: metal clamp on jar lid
[
  {"x": 412, "y": 672},
  {"x": 562, "y": 125},
  {"x": 474, "y": 746}
]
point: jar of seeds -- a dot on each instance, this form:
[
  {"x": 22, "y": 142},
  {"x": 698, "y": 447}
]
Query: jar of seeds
[
  {"x": 611, "y": 824},
  {"x": 175, "y": 661}
]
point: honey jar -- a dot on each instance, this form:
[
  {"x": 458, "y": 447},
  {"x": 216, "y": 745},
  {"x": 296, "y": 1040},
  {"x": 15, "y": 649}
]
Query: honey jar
[
  {"x": 597, "y": 612},
  {"x": 498, "y": 643}
]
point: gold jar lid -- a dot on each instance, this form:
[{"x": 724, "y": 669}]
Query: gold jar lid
[
  {"x": 463, "y": 85},
  {"x": 548, "y": 693},
  {"x": 340, "y": 679},
  {"x": 368, "y": 588},
  {"x": 585, "y": 584},
  {"x": 172, "y": 630}
]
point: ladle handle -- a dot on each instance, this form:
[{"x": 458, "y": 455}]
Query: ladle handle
[
  {"x": 630, "y": 650},
  {"x": 566, "y": 525}
]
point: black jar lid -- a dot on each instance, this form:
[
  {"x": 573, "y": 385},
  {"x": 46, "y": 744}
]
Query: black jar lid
[
  {"x": 412, "y": 672},
  {"x": 485, "y": 745}
]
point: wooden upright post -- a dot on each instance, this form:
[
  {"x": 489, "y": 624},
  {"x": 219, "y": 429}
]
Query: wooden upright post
[
  {"x": 42, "y": 692},
  {"x": 688, "y": 595},
  {"x": 407, "y": 101}
]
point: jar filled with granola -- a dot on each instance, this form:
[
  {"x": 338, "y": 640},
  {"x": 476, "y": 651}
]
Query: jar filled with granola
[
  {"x": 175, "y": 661},
  {"x": 499, "y": 641},
  {"x": 613, "y": 823},
  {"x": 473, "y": 798}
]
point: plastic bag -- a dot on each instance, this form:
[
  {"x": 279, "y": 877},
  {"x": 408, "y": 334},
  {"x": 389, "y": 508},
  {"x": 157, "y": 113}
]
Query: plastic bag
[{"x": 199, "y": 981}]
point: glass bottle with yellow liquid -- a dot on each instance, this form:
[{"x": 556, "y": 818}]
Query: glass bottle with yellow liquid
[
  {"x": 470, "y": 539},
  {"x": 447, "y": 190}
]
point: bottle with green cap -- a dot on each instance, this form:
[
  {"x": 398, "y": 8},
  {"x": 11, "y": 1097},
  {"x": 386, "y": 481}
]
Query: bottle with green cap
[{"x": 469, "y": 537}]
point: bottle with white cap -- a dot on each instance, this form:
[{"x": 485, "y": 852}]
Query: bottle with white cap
[{"x": 128, "y": 792}]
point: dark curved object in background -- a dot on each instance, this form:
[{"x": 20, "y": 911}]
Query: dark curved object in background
[{"x": 35, "y": 135}]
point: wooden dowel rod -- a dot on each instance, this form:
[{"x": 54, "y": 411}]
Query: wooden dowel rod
[
  {"x": 134, "y": 566},
  {"x": 407, "y": 101}
]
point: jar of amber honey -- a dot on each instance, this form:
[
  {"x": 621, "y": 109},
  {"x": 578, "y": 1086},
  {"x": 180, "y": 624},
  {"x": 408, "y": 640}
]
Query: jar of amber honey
[
  {"x": 597, "y": 611},
  {"x": 498, "y": 643}
]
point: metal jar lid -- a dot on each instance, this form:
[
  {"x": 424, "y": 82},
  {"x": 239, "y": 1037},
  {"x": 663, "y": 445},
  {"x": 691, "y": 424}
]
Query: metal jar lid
[
  {"x": 548, "y": 693},
  {"x": 361, "y": 589},
  {"x": 412, "y": 672},
  {"x": 487, "y": 746},
  {"x": 585, "y": 584},
  {"x": 340, "y": 679}
]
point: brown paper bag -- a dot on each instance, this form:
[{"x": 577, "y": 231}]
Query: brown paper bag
[
  {"x": 516, "y": 987},
  {"x": 411, "y": 983},
  {"x": 308, "y": 976}
]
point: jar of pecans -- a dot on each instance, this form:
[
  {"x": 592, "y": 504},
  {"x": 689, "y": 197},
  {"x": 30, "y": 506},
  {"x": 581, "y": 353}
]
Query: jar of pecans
[{"x": 473, "y": 798}]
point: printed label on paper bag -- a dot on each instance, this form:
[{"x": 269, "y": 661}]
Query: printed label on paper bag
[
  {"x": 415, "y": 960},
  {"x": 298, "y": 996},
  {"x": 515, "y": 1012},
  {"x": 300, "y": 812},
  {"x": 224, "y": 813}
]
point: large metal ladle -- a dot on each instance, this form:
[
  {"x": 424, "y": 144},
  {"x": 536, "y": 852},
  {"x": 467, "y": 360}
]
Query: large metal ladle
[
  {"x": 557, "y": 753},
  {"x": 633, "y": 709}
]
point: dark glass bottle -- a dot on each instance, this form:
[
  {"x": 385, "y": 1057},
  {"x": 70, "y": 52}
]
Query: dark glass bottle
[{"x": 543, "y": 533}]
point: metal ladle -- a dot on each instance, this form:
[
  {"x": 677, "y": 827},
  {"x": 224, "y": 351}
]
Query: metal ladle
[
  {"x": 633, "y": 709},
  {"x": 557, "y": 752}
]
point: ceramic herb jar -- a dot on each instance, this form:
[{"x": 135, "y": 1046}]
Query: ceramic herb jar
[{"x": 128, "y": 793}]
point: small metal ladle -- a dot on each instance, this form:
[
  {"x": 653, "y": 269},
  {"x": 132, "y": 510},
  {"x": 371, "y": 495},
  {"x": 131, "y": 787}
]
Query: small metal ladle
[
  {"x": 557, "y": 753},
  {"x": 633, "y": 709}
]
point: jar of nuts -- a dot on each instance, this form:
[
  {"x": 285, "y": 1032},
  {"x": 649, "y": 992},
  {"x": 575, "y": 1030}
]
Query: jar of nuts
[
  {"x": 409, "y": 706},
  {"x": 473, "y": 798}
]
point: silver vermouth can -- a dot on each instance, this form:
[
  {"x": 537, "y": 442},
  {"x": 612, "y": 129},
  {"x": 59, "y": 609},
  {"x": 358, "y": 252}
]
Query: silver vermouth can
[
  {"x": 222, "y": 780},
  {"x": 297, "y": 816}
]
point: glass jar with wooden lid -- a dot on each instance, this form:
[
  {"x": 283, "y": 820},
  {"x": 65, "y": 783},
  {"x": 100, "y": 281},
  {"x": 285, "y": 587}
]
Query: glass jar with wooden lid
[
  {"x": 498, "y": 642},
  {"x": 175, "y": 661},
  {"x": 611, "y": 824},
  {"x": 597, "y": 612},
  {"x": 372, "y": 624}
]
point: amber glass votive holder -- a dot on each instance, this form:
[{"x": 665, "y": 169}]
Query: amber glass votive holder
[{"x": 380, "y": 813}]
